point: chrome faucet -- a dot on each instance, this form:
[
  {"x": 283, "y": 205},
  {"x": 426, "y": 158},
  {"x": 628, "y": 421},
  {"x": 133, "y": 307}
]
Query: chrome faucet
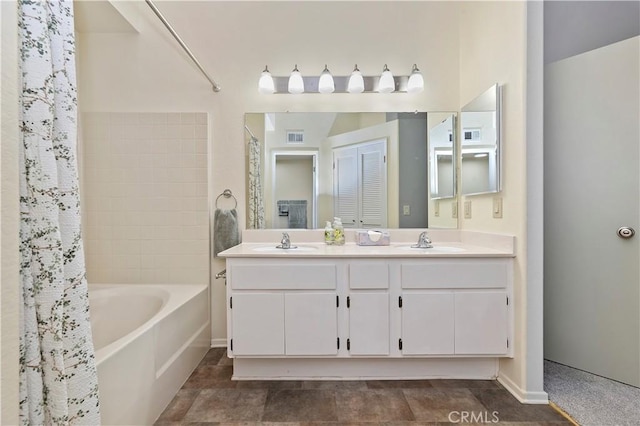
[
  {"x": 423, "y": 241},
  {"x": 285, "y": 243}
]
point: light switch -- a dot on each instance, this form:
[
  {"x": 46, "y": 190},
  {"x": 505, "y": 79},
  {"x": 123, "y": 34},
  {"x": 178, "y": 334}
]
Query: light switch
[
  {"x": 406, "y": 210},
  {"x": 467, "y": 209},
  {"x": 497, "y": 207},
  {"x": 436, "y": 208},
  {"x": 454, "y": 209}
]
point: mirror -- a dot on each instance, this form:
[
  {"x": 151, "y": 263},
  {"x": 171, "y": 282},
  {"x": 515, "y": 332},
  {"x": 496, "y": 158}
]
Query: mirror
[
  {"x": 480, "y": 142},
  {"x": 371, "y": 169}
]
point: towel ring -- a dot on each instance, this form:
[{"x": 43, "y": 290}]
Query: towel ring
[{"x": 227, "y": 194}]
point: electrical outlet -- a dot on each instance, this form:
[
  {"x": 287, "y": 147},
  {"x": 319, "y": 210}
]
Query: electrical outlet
[
  {"x": 467, "y": 209},
  {"x": 497, "y": 207},
  {"x": 406, "y": 210},
  {"x": 436, "y": 208},
  {"x": 454, "y": 209}
]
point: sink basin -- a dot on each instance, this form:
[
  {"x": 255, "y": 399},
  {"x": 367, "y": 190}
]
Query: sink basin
[
  {"x": 434, "y": 249},
  {"x": 274, "y": 249}
]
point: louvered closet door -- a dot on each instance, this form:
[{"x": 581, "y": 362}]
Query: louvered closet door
[
  {"x": 372, "y": 176},
  {"x": 345, "y": 186}
]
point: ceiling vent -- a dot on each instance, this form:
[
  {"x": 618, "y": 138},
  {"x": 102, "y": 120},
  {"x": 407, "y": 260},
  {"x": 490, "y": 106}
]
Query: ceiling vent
[{"x": 295, "y": 137}]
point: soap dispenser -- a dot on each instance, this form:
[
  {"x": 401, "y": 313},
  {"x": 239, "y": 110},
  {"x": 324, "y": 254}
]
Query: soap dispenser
[
  {"x": 329, "y": 233},
  {"x": 338, "y": 231}
]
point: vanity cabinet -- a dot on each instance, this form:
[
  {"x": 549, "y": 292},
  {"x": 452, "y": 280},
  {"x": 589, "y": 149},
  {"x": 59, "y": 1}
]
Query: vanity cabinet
[
  {"x": 322, "y": 317},
  {"x": 281, "y": 309},
  {"x": 368, "y": 308}
]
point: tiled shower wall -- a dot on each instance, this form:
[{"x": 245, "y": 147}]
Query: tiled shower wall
[{"x": 145, "y": 205}]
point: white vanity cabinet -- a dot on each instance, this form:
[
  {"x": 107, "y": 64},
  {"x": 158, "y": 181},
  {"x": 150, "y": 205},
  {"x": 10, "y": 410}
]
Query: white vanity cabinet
[
  {"x": 353, "y": 316},
  {"x": 455, "y": 307},
  {"x": 282, "y": 309}
]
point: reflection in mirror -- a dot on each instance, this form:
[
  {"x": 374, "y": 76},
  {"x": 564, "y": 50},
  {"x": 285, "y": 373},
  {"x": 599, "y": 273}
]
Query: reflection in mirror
[
  {"x": 370, "y": 169},
  {"x": 442, "y": 169},
  {"x": 481, "y": 143}
]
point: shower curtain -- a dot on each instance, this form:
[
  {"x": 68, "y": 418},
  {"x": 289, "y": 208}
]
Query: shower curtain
[
  {"x": 256, "y": 200},
  {"x": 58, "y": 380}
]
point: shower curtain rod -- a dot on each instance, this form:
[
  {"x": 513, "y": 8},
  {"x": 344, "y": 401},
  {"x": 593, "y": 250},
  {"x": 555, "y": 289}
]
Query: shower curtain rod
[
  {"x": 214, "y": 85},
  {"x": 247, "y": 129}
]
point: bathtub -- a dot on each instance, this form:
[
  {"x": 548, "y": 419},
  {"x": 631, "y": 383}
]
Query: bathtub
[{"x": 147, "y": 339}]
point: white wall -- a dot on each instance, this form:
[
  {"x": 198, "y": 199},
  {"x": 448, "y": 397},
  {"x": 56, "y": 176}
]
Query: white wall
[
  {"x": 10, "y": 220},
  {"x": 234, "y": 40},
  {"x": 493, "y": 49}
]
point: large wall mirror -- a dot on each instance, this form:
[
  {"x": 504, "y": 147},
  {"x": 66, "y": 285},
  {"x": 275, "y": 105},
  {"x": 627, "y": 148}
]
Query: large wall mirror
[
  {"x": 480, "y": 142},
  {"x": 370, "y": 169}
]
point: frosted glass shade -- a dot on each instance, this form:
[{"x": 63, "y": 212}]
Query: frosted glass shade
[
  {"x": 386, "y": 83},
  {"x": 265, "y": 84},
  {"x": 416, "y": 82},
  {"x": 325, "y": 84},
  {"x": 296, "y": 83},
  {"x": 356, "y": 82}
]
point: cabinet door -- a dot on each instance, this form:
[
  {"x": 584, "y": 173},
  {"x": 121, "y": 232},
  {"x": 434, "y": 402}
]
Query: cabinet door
[
  {"x": 481, "y": 322},
  {"x": 427, "y": 323},
  {"x": 369, "y": 323},
  {"x": 258, "y": 323},
  {"x": 311, "y": 323}
]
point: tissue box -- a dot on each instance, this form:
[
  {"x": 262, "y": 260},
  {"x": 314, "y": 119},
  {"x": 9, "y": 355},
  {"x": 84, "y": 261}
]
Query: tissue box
[{"x": 372, "y": 238}]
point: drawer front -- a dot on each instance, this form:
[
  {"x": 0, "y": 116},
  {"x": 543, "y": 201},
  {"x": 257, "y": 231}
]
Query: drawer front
[
  {"x": 454, "y": 273},
  {"x": 369, "y": 275},
  {"x": 312, "y": 276}
]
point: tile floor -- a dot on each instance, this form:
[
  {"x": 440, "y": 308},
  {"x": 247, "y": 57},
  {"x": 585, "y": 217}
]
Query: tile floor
[{"x": 210, "y": 397}]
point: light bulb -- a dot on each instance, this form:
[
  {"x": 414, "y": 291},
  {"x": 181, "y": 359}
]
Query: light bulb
[
  {"x": 325, "y": 85},
  {"x": 356, "y": 82},
  {"x": 386, "y": 83},
  {"x": 416, "y": 82},
  {"x": 265, "y": 84},
  {"x": 296, "y": 83}
]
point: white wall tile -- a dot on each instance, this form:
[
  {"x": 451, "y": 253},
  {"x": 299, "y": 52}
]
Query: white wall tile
[{"x": 146, "y": 197}]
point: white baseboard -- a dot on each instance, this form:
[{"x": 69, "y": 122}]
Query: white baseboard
[
  {"x": 218, "y": 343},
  {"x": 526, "y": 397}
]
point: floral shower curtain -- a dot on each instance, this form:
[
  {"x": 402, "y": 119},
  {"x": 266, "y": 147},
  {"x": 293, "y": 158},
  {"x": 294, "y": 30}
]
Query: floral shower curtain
[
  {"x": 256, "y": 200},
  {"x": 58, "y": 380}
]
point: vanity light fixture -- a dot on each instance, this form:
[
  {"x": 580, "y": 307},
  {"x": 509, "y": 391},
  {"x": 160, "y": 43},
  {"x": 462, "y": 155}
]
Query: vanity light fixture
[
  {"x": 386, "y": 82},
  {"x": 296, "y": 83},
  {"x": 265, "y": 84},
  {"x": 325, "y": 84},
  {"x": 356, "y": 82},
  {"x": 416, "y": 82}
]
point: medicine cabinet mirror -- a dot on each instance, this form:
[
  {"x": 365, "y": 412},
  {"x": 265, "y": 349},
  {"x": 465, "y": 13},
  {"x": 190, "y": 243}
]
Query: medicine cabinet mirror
[
  {"x": 372, "y": 169},
  {"x": 480, "y": 142}
]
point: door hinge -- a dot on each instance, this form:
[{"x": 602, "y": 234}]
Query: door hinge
[
  {"x": 348, "y": 344},
  {"x": 231, "y": 302},
  {"x": 337, "y": 301},
  {"x": 338, "y": 343},
  {"x": 384, "y": 159},
  {"x": 348, "y": 301},
  {"x": 507, "y": 343},
  {"x": 400, "y": 344},
  {"x": 507, "y": 300},
  {"x": 231, "y": 345},
  {"x": 400, "y": 301}
]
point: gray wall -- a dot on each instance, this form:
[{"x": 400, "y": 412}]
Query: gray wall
[
  {"x": 574, "y": 27},
  {"x": 413, "y": 163}
]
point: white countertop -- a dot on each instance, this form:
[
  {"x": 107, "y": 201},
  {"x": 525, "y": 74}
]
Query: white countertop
[{"x": 261, "y": 244}]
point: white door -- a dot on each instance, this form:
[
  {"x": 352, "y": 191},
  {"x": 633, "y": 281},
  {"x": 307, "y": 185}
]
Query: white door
[
  {"x": 481, "y": 322},
  {"x": 258, "y": 323},
  {"x": 592, "y": 156},
  {"x": 427, "y": 323},
  {"x": 369, "y": 323},
  {"x": 311, "y": 323},
  {"x": 360, "y": 184}
]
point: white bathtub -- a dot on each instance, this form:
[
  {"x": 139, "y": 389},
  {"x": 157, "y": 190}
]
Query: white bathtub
[{"x": 148, "y": 339}]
